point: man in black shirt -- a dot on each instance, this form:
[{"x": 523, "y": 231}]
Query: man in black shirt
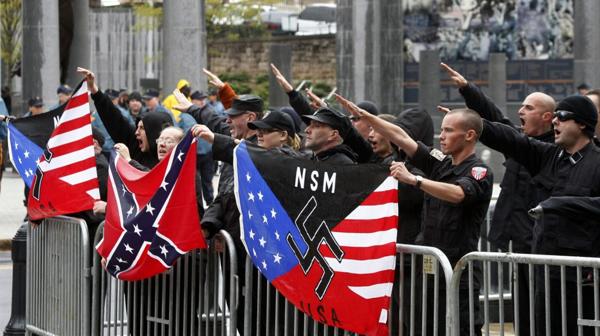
[
  {"x": 510, "y": 222},
  {"x": 572, "y": 165},
  {"x": 458, "y": 189}
]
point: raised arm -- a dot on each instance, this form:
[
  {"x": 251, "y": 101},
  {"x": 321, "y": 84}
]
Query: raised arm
[
  {"x": 226, "y": 92},
  {"x": 389, "y": 130},
  {"x": 116, "y": 124},
  {"x": 475, "y": 99},
  {"x": 297, "y": 101},
  {"x": 203, "y": 115},
  {"x": 529, "y": 152}
]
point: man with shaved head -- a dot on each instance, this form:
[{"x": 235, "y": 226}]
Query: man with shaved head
[{"x": 520, "y": 192}]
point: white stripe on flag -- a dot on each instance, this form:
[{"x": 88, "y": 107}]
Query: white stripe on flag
[
  {"x": 81, "y": 176},
  {"x": 373, "y": 291},
  {"x": 389, "y": 183},
  {"x": 70, "y": 136},
  {"x": 365, "y": 239},
  {"x": 67, "y": 159},
  {"x": 75, "y": 113},
  {"x": 370, "y": 212},
  {"x": 82, "y": 89},
  {"x": 363, "y": 266},
  {"x": 383, "y": 316},
  {"x": 94, "y": 193}
]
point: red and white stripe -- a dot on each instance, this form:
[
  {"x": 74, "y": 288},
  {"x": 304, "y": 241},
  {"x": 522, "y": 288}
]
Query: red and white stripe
[
  {"x": 72, "y": 146},
  {"x": 368, "y": 238}
]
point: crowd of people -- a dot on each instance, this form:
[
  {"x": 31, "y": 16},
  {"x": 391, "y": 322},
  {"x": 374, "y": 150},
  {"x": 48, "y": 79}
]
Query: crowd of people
[{"x": 552, "y": 175}]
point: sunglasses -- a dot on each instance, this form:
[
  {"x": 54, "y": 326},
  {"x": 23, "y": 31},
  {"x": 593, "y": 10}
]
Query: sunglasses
[{"x": 564, "y": 115}]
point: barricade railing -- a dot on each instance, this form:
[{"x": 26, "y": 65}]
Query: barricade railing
[
  {"x": 197, "y": 296},
  {"x": 268, "y": 313},
  {"x": 562, "y": 293},
  {"x": 58, "y": 278}
]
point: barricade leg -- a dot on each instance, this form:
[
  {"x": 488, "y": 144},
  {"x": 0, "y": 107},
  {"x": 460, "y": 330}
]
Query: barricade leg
[{"x": 16, "y": 324}]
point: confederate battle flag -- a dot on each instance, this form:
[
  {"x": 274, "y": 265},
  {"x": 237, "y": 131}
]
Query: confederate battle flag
[
  {"x": 151, "y": 217},
  {"x": 324, "y": 235}
]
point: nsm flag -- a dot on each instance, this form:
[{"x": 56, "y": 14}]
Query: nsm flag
[{"x": 323, "y": 237}]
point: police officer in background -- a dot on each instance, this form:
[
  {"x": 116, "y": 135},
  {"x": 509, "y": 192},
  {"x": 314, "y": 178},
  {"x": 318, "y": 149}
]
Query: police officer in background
[
  {"x": 458, "y": 189},
  {"x": 572, "y": 164},
  {"x": 510, "y": 222}
]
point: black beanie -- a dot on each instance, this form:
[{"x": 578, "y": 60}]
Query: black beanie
[{"x": 584, "y": 109}]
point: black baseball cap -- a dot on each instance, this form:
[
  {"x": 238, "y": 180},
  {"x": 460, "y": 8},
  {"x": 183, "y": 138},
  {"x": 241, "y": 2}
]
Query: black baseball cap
[
  {"x": 335, "y": 119},
  {"x": 150, "y": 93},
  {"x": 64, "y": 89},
  {"x": 111, "y": 93},
  {"x": 242, "y": 104},
  {"x": 197, "y": 95},
  {"x": 36, "y": 101},
  {"x": 275, "y": 120}
]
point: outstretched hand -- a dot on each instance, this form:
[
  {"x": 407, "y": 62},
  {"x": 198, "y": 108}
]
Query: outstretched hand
[
  {"x": 183, "y": 102},
  {"x": 455, "y": 76},
  {"x": 351, "y": 107},
  {"x": 90, "y": 78},
  {"x": 315, "y": 101},
  {"x": 213, "y": 79},
  {"x": 443, "y": 109},
  {"x": 285, "y": 85}
]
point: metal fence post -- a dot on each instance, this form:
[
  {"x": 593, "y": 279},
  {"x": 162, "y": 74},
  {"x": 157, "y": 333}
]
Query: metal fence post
[{"x": 16, "y": 324}]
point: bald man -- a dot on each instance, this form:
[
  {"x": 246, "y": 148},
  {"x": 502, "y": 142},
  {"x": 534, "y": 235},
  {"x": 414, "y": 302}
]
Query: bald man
[{"x": 519, "y": 190}]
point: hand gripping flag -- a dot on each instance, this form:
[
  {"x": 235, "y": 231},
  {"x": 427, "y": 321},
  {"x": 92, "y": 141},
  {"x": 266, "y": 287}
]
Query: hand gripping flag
[
  {"x": 324, "y": 235},
  {"x": 151, "y": 217}
]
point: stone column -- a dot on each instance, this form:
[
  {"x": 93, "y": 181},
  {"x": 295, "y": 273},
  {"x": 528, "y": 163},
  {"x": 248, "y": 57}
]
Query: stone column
[
  {"x": 497, "y": 79},
  {"x": 586, "y": 43},
  {"x": 79, "y": 54},
  {"x": 280, "y": 54},
  {"x": 41, "y": 55},
  {"x": 184, "y": 44},
  {"x": 429, "y": 81},
  {"x": 369, "y": 52}
]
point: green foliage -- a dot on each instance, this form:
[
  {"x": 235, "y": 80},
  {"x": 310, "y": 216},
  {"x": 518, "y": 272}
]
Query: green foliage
[
  {"x": 234, "y": 21},
  {"x": 243, "y": 83},
  {"x": 10, "y": 32},
  {"x": 147, "y": 17}
]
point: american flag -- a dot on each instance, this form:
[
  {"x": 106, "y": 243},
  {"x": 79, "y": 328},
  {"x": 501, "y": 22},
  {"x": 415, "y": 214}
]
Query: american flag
[
  {"x": 338, "y": 268},
  {"x": 68, "y": 164},
  {"x": 151, "y": 217},
  {"x": 24, "y": 154}
]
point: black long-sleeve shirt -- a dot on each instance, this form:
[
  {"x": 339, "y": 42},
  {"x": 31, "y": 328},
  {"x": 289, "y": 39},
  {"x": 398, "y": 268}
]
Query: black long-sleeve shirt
[
  {"x": 520, "y": 192},
  {"x": 576, "y": 174}
]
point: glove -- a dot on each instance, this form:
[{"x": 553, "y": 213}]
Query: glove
[{"x": 536, "y": 213}]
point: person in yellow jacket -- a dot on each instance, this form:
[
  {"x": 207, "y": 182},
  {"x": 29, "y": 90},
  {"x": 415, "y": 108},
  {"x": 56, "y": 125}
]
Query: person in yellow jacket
[{"x": 183, "y": 86}]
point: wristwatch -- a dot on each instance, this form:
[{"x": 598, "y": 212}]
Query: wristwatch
[{"x": 418, "y": 180}]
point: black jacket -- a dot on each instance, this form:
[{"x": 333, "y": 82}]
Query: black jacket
[
  {"x": 575, "y": 174},
  {"x": 120, "y": 129},
  {"x": 454, "y": 228},
  {"x": 222, "y": 213},
  {"x": 520, "y": 192}
]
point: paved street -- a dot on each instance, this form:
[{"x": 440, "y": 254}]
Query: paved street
[
  {"x": 5, "y": 288},
  {"x": 12, "y": 210}
]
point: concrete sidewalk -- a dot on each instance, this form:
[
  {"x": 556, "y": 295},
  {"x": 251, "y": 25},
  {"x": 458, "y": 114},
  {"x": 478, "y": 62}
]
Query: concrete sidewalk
[{"x": 12, "y": 210}]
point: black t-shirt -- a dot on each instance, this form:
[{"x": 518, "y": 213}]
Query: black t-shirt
[{"x": 454, "y": 228}]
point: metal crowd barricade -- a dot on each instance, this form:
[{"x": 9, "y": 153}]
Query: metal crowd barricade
[
  {"x": 58, "y": 278},
  {"x": 197, "y": 296},
  {"x": 539, "y": 274},
  {"x": 267, "y": 312}
]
